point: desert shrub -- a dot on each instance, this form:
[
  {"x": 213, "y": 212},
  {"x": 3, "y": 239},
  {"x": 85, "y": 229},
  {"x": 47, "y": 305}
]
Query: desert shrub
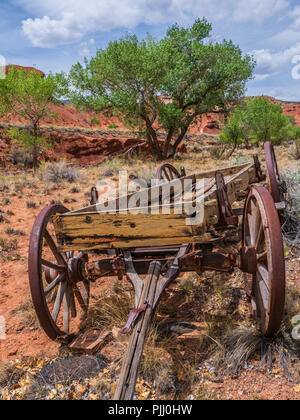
[
  {"x": 15, "y": 232},
  {"x": 297, "y": 148},
  {"x": 59, "y": 171},
  {"x": 94, "y": 121},
  {"x": 8, "y": 245},
  {"x": 21, "y": 158},
  {"x": 217, "y": 152},
  {"x": 113, "y": 126},
  {"x": 115, "y": 164},
  {"x": 30, "y": 205}
]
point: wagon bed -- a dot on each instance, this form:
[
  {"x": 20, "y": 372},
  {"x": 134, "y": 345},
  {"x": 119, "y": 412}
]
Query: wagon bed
[{"x": 90, "y": 229}]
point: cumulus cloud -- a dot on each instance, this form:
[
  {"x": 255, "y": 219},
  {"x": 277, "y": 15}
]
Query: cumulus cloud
[
  {"x": 59, "y": 22},
  {"x": 270, "y": 62}
]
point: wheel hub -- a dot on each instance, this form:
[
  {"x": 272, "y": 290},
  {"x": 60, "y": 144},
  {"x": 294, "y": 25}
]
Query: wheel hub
[
  {"x": 75, "y": 269},
  {"x": 248, "y": 263}
]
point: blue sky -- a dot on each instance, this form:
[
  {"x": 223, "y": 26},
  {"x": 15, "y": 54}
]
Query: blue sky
[{"x": 53, "y": 35}]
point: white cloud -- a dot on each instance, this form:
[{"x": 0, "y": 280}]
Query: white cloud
[
  {"x": 272, "y": 62},
  {"x": 59, "y": 22}
]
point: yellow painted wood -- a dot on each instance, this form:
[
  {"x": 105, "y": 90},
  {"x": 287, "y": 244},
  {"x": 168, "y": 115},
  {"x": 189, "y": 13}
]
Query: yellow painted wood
[
  {"x": 87, "y": 229},
  {"x": 108, "y": 230}
]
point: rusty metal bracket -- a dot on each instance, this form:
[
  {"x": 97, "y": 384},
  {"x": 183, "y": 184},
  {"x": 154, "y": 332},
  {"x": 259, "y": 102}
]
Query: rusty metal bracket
[
  {"x": 133, "y": 316},
  {"x": 94, "y": 196},
  {"x": 211, "y": 261},
  {"x": 259, "y": 173}
]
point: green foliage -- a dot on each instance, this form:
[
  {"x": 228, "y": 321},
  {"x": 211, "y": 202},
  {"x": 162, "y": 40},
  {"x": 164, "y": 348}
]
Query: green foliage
[
  {"x": 258, "y": 121},
  {"x": 297, "y": 132},
  {"x": 27, "y": 144},
  {"x": 25, "y": 139},
  {"x": 234, "y": 130},
  {"x": 94, "y": 121},
  {"x": 266, "y": 121},
  {"x": 161, "y": 85},
  {"x": 27, "y": 95},
  {"x": 113, "y": 126}
]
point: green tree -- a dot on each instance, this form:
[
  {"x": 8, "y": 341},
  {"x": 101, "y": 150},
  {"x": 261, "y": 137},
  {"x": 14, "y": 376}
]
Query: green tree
[
  {"x": 27, "y": 95},
  {"x": 297, "y": 133},
  {"x": 162, "y": 85},
  {"x": 266, "y": 121},
  {"x": 234, "y": 131},
  {"x": 257, "y": 120}
]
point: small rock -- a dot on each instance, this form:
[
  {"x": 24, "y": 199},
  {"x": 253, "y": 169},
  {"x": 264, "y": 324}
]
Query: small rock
[
  {"x": 19, "y": 327},
  {"x": 13, "y": 352},
  {"x": 108, "y": 173}
]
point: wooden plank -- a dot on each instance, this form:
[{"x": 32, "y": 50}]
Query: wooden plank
[
  {"x": 100, "y": 230},
  {"x": 109, "y": 230},
  {"x": 133, "y": 277},
  {"x": 91, "y": 341},
  {"x": 128, "y": 376},
  {"x": 232, "y": 170}
]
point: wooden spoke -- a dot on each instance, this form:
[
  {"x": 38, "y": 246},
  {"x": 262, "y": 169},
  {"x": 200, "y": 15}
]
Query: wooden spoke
[
  {"x": 264, "y": 292},
  {"x": 58, "y": 301},
  {"x": 54, "y": 283},
  {"x": 263, "y": 272},
  {"x": 167, "y": 172},
  {"x": 80, "y": 299},
  {"x": 73, "y": 305},
  {"x": 259, "y": 236},
  {"x": 59, "y": 258},
  {"x": 166, "y": 175},
  {"x": 261, "y": 256},
  {"x": 51, "y": 264},
  {"x": 52, "y": 275},
  {"x": 66, "y": 310}
]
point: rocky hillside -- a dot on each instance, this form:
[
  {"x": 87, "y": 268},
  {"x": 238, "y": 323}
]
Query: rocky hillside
[{"x": 89, "y": 137}]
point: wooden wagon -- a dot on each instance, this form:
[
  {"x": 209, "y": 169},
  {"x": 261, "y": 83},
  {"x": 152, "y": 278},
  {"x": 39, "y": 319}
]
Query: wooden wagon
[{"x": 69, "y": 250}]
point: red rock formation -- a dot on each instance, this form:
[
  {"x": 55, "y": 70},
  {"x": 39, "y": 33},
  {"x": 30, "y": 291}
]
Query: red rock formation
[{"x": 7, "y": 68}]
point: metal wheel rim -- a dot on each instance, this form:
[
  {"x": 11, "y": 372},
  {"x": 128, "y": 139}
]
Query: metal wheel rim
[
  {"x": 273, "y": 173},
  {"x": 35, "y": 273},
  {"x": 167, "y": 172},
  {"x": 267, "y": 288}
]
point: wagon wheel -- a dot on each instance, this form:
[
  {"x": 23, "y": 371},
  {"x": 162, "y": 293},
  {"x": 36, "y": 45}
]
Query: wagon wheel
[
  {"x": 276, "y": 187},
  {"x": 266, "y": 286},
  {"x": 167, "y": 172},
  {"x": 59, "y": 292}
]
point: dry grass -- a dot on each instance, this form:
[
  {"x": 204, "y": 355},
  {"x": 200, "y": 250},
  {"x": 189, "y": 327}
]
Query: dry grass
[
  {"x": 291, "y": 220},
  {"x": 239, "y": 345},
  {"x": 9, "y": 374},
  {"x": 111, "y": 308},
  {"x": 60, "y": 171},
  {"x": 27, "y": 315}
]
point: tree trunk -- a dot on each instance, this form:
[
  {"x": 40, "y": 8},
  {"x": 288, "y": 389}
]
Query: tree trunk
[
  {"x": 233, "y": 149},
  {"x": 35, "y": 147},
  {"x": 247, "y": 143}
]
